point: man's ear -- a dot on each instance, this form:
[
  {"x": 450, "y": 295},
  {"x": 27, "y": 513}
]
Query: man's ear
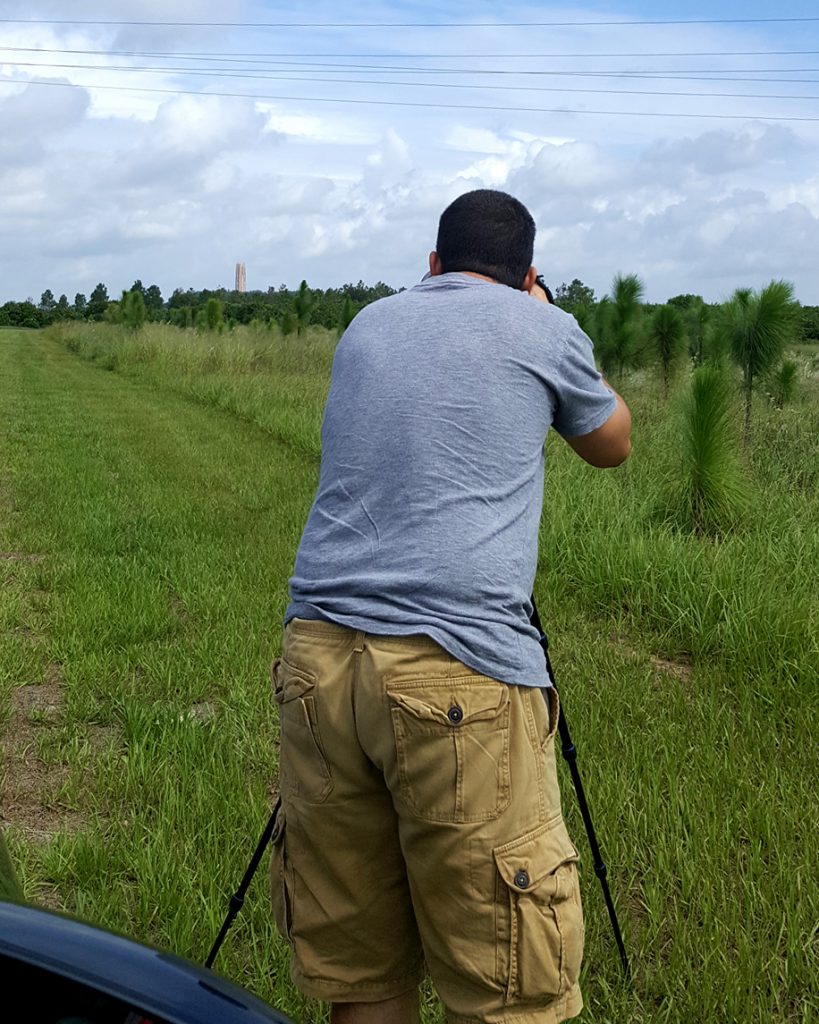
[
  {"x": 435, "y": 265},
  {"x": 529, "y": 280}
]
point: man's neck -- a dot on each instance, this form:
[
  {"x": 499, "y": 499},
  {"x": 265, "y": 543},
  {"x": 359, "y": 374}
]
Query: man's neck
[{"x": 480, "y": 277}]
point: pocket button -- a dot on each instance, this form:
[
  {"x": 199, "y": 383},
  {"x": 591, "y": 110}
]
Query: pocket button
[
  {"x": 522, "y": 879},
  {"x": 455, "y": 715}
]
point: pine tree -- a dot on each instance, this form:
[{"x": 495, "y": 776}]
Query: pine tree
[
  {"x": 303, "y": 306},
  {"x": 710, "y": 493},
  {"x": 213, "y": 315},
  {"x": 348, "y": 313},
  {"x": 134, "y": 313},
  {"x": 756, "y": 326},
  {"x": 98, "y": 303},
  {"x": 619, "y": 324},
  {"x": 667, "y": 333}
]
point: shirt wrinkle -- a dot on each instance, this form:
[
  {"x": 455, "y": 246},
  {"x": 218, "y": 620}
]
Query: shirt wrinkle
[
  {"x": 459, "y": 427},
  {"x": 373, "y": 522},
  {"x": 342, "y": 522},
  {"x": 460, "y": 457}
]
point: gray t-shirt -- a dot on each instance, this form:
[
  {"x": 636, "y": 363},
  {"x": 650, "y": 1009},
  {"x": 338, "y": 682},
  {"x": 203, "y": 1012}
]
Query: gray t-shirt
[{"x": 429, "y": 499}]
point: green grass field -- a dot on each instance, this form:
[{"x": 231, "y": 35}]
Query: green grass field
[{"x": 153, "y": 489}]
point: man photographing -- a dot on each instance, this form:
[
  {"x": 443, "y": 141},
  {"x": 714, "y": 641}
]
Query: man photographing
[{"x": 421, "y": 821}]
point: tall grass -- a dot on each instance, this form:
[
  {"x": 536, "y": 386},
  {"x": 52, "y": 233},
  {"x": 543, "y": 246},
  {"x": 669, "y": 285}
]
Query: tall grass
[
  {"x": 748, "y": 601},
  {"x": 275, "y": 380}
]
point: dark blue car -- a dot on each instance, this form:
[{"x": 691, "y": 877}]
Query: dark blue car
[{"x": 55, "y": 970}]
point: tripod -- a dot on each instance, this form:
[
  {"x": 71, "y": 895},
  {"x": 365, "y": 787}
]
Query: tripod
[{"x": 569, "y": 752}]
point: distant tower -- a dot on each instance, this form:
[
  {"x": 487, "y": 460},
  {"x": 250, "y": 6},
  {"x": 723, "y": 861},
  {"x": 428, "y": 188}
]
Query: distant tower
[{"x": 241, "y": 278}]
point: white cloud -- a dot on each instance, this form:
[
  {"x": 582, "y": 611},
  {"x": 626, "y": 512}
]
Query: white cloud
[
  {"x": 804, "y": 193},
  {"x": 33, "y": 115},
  {"x": 318, "y": 128},
  {"x": 723, "y": 151},
  {"x": 476, "y": 140}
]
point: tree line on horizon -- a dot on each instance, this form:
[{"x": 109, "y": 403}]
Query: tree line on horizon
[
  {"x": 294, "y": 309},
  {"x": 190, "y": 307}
]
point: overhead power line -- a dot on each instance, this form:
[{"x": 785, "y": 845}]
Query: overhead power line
[
  {"x": 301, "y": 61},
  {"x": 280, "y": 76},
  {"x": 412, "y": 103},
  {"x": 650, "y": 74},
  {"x": 230, "y": 55},
  {"x": 408, "y": 24},
  {"x": 699, "y": 75}
]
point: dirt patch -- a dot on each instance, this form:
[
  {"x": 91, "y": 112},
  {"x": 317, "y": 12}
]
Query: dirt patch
[
  {"x": 48, "y": 896},
  {"x": 101, "y": 737},
  {"x": 28, "y": 803},
  {"x": 27, "y": 701},
  {"x": 622, "y": 646},
  {"x": 21, "y": 556},
  {"x": 179, "y": 609},
  {"x": 28, "y": 798},
  {"x": 202, "y": 712},
  {"x": 53, "y": 678},
  {"x": 27, "y": 634},
  {"x": 680, "y": 667}
]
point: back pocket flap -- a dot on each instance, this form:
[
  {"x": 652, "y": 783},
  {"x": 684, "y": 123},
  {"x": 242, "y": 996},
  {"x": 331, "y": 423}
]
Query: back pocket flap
[
  {"x": 527, "y": 862},
  {"x": 290, "y": 683},
  {"x": 454, "y": 701}
]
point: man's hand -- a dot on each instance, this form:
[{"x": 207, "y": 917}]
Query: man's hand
[
  {"x": 533, "y": 285},
  {"x": 539, "y": 293}
]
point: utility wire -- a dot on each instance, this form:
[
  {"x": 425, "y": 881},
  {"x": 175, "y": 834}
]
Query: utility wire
[
  {"x": 697, "y": 75},
  {"x": 278, "y": 76},
  {"x": 408, "y": 103},
  {"x": 682, "y": 74},
  {"x": 410, "y": 24},
  {"x": 229, "y": 55}
]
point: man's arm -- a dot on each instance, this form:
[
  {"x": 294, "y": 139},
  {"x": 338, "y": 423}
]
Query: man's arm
[{"x": 610, "y": 444}]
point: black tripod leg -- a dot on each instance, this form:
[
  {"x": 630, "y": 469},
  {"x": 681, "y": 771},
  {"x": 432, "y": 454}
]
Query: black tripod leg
[
  {"x": 238, "y": 898},
  {"x": 569, "y": 752}
]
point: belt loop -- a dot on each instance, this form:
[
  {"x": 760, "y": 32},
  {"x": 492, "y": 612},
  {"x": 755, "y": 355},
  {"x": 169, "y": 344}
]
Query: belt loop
[{"x": 359, "y": 641}]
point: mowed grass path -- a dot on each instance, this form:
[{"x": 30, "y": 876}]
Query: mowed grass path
[{"x": 146, "y": 542}]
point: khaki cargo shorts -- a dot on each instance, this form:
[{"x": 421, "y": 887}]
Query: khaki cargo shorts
[{"x": 420, "y": 824}]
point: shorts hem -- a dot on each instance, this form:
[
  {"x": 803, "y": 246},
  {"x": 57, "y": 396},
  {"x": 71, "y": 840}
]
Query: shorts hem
[
  {"x": 361, "y": 992},
  {"x": 563, "y": 1008}
]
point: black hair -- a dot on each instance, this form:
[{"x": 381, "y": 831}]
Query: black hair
[{"x": 487, "y": 232}]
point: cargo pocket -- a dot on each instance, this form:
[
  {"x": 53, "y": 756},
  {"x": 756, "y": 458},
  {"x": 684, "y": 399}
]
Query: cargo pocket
[
  {"x": 280, "y": 889},
  {"x": 452, "y": 746},
  {"x": 303, "y": 768},
  {"x": 539, "y": 915}
]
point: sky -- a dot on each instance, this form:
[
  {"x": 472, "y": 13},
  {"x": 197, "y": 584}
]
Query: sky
[{"x": 322, "y": 141}]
